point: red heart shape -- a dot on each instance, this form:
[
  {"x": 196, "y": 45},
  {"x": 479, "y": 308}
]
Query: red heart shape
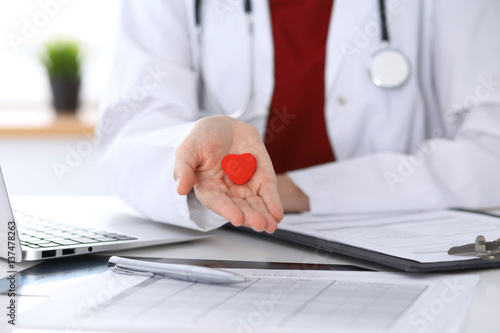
[{"x": 239, "y": 168}]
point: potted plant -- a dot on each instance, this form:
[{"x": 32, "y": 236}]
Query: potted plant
[{"x": 62, "y": 61}]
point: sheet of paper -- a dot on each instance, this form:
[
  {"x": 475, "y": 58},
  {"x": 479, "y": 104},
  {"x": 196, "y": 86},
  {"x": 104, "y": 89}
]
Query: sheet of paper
[
  {"x": 424, "y": 237},
  {"x": 273, "y": 301}
]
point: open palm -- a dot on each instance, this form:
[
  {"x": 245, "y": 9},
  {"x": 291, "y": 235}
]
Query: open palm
[{"x": 255, "y": 204}]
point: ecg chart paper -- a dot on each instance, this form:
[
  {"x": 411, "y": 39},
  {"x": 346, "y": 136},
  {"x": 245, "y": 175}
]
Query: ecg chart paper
[{"x": 273, "y": 301}]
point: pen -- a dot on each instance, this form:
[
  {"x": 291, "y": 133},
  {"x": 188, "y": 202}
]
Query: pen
[{"x": 180, "y": 272}]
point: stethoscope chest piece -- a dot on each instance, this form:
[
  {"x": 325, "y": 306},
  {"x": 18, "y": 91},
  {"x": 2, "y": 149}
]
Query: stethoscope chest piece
[{"x": 389, "y": 68}]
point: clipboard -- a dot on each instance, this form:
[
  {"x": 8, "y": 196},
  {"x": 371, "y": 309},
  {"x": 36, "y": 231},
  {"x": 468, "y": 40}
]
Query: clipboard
[{"x": 490, "y": 260}]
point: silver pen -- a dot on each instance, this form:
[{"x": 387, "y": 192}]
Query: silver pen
[{"x": 180, "y": 272}]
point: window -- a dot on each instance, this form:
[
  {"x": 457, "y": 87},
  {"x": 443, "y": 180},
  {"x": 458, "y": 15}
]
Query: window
[{"x": 28, "y": 24}]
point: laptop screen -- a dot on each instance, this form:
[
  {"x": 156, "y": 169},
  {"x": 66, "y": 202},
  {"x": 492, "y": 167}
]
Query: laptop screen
[{"x": 10, "y": 246}]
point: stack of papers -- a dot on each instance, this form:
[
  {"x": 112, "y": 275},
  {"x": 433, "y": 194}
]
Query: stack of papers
[
  {"x": 422, "y": 237},
  {"x": 272, "y": 301}
]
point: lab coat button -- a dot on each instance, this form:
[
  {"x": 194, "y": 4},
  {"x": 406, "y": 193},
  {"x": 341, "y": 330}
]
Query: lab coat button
[{"x": 341, "y": 100}]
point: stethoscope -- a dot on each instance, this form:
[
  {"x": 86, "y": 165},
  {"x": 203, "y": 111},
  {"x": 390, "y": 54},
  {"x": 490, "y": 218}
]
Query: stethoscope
[
  {"x": 201, "y": 60},
  {"x": 388, "y": 67}
]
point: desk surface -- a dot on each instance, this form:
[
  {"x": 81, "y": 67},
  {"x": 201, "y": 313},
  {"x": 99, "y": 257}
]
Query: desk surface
[{"x": 234, "y": 245}]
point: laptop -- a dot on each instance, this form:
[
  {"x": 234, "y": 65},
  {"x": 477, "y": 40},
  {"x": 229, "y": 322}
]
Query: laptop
[{"x": 25, "y": 236}]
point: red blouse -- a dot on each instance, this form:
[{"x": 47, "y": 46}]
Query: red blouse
[{"x": 296, "y": 134}]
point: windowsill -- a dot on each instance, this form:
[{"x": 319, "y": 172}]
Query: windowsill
[{"x": 42, "y": 120}]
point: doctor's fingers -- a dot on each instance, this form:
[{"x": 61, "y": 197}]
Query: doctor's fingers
[
  {"x": 185, "y": 178},
  {"x": 240, "y": 213},
  {"x": 184, "y": 167},
  {"x": 251, "y": 218},
  {"x": 260, "y": 207},
  {"x": 224, "y": 206},
  {"x": 235, "y": 210},
  {"x": 270, "y": 197}
]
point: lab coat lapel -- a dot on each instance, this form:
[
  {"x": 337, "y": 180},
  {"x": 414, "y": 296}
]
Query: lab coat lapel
[
  {"x": 346, "y": 26},
  {"x": 264, "y": 58},
  {"x": 218, "y": 35}
]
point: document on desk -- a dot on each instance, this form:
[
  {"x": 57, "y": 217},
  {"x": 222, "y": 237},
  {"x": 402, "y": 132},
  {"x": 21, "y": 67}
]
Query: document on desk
[
  {"x": 425, "y": 237},
  {"x": 272, "y": 301}
]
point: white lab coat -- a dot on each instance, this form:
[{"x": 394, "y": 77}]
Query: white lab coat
[{"x": 432, "y": 143}]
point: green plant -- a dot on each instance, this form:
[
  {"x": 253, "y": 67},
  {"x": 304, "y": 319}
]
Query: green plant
[{"x": 62, "y": 58}]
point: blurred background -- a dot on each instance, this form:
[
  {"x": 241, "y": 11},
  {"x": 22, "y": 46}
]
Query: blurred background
[{"x": 44, "y": 150}]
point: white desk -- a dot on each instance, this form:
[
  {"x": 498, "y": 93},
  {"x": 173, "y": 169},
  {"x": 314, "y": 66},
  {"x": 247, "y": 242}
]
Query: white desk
[{"x": 229, "y": 245}]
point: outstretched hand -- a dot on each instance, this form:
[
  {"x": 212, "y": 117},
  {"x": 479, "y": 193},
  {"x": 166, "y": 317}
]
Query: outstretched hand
[{"x": 255, "y": 204}]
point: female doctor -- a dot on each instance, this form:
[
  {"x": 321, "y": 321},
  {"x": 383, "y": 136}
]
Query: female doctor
[{"x": 355, "y": 106}]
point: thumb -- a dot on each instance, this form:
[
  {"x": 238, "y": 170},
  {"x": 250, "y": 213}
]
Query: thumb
[{"x": 185, "y": 165}]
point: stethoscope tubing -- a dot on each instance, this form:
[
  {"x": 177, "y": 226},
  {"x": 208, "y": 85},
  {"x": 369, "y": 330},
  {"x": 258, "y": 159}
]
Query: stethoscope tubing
[
  {"x": 240, "y": 112},
  {"x": 214, "y": 105}
]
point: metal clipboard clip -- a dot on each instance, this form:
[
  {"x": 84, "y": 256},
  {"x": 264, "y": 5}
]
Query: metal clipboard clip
[{"x": 481, "y": 249}]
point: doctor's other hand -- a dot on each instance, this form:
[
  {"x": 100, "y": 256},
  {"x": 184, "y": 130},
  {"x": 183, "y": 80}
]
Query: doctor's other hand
[
  {"x": 292, "y": 197},
  {"x": 255, "y": 204}
]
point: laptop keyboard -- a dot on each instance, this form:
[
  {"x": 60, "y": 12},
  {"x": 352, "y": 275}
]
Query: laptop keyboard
[{"x": 39, "y": 233}]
